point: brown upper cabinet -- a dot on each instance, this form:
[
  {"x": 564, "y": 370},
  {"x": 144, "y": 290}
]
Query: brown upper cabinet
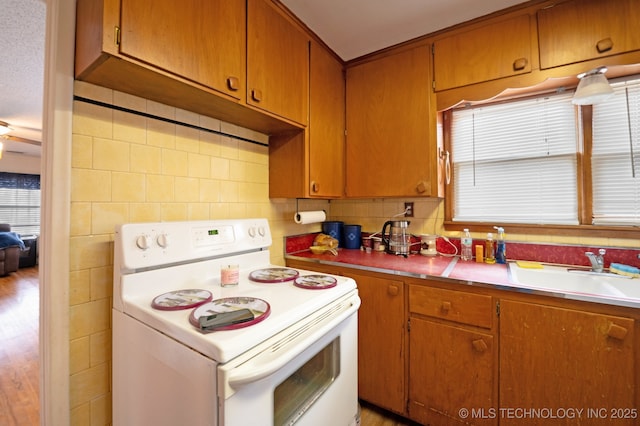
[
  {"x": 577, "y": 31},
  {"x": 326, "y": 125},
  {"x": 501, "y": 49},
  {"x": 173, "y": 39},
  {"x": 310, "y": 163},
  {"x": 193, "y": 55},
  {"x": 278, "y": 63},
  {"x": 391, "y": 129}
]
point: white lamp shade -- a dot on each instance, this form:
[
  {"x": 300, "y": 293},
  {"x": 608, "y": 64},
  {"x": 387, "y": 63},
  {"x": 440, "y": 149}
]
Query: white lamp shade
[
  {"x": 593, "y": 88},
  {"x": 4, "y": 128}
]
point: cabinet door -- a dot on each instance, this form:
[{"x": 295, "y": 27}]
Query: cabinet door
[
  {"x": 587, "y": 29},
  {"x": 391, "y": 138},
  {"x": 553, "y": 358},
  {"x": 451, "y": 369},
  {"x": 277, "y": 63},
  {"x": 326, "y": 124},
  {"x": 501, "y": 49},
  {"x": 381, "y": 342},
  {"x": 202, "y": 41}
]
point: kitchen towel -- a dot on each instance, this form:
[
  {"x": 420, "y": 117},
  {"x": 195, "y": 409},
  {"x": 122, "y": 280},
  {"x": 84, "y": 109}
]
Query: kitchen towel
[{"x": 304, "y": 218}]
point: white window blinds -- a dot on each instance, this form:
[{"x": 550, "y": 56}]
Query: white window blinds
[
  {"x": 616, "y": 157},
  {"x": 20, "y": 202},
  {"x": 516, "y": 162}
]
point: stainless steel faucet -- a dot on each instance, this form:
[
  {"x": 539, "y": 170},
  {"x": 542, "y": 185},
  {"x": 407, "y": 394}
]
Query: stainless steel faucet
[{"x": 597, "y": 262}]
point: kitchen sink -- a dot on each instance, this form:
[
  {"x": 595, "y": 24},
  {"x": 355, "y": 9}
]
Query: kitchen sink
[{"x": 575, "y": 281}]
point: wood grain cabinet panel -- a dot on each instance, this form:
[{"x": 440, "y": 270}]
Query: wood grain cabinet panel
[
  {"x": 451, "y": 369},
  {"x": 452, "y": 357},
  {"x": 190, "y": 55},
  {"x": 308, "y": 164},
  {"x": 555, "y": 358},
  {"x": 277, "y": 63},
  {"x": 581, "y": 30},
  {"x": 498, "y": 50},
  {"x": 381, "y": 342},
  {"x": 326, "y": 125},
  {"x": 457, "y": 306},
  {"x": 391, "y": 136},
  {"x": 200, "y": 40}
]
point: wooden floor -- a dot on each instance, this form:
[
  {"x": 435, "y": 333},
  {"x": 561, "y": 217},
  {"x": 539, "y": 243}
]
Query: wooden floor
[
  {"x": 371, "y": 415},
  {"x": 19, "y": 362}
]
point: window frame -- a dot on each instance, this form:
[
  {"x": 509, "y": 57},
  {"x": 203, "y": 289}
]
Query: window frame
[{"x": 584, "y": 196}]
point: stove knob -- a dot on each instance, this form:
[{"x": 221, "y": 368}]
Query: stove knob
[
  {"x": 252, "y": 232},
  {"x": 163, "y": 240},
  {"x": 262, "y": 231},
  {"x": 143, "y": 242}
]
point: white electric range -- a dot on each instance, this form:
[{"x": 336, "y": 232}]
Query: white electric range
[{"x": 178, "y": 358}]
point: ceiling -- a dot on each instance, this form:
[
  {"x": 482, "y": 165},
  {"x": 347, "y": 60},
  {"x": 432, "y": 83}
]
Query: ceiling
[
  {"x": 351, "y": 28},
  {"x": 22, "y": 73}
]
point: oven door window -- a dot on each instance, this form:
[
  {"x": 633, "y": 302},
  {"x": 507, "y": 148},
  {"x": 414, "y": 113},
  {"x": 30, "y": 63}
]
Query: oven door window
[{"x": 294, "y": 396}]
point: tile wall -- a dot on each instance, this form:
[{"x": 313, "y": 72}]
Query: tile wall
[
  {"x": 130, "y": 168},
  {"x": 428, "y": 219}
]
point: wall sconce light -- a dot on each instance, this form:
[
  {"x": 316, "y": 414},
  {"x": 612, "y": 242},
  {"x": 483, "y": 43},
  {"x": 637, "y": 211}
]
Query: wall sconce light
[
  {"x": 593, "y": 87},
  {"x": 4, "y": 128}
]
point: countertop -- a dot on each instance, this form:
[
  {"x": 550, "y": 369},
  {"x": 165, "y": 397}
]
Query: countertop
[{"x": 445, "y": 268}]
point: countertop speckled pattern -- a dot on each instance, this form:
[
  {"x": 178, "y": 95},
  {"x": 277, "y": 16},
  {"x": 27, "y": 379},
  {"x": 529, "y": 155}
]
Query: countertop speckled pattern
[
  {"x": 443, "y": 268},
  {"x": 414, "y": 265}
]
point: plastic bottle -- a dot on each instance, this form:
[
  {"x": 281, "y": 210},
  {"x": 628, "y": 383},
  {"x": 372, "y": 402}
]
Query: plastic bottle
[
  {"x": 489, "y": 249},
  {"x": 466, "y": 244},
  {"x": 501, "y": 246}
]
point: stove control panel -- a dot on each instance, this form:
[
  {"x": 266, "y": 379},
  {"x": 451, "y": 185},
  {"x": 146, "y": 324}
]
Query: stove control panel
[
  {"x": 145, "y": 245},
  {"x": 211, "y": 236}
]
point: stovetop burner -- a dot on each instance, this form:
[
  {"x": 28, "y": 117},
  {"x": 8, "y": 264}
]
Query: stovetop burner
[{"x": 273, "y": 275}]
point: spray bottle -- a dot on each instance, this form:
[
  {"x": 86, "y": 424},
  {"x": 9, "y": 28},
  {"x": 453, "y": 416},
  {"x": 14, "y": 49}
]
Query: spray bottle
[{"x": 501, "y": 246}]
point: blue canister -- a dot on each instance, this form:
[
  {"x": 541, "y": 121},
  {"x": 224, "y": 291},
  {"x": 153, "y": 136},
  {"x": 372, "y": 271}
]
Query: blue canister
[
  {"x": 334, "y": 229},
  {"x": 352, "y": 236}
]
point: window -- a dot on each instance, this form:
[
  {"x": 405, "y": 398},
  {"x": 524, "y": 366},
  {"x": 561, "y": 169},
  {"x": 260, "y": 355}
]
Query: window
[
  {"x": 615, "y": 161},
  {"x": 516, "y": 162},
  {"x": 20, "y": 202},
  {"x": 543, "y": 161}
]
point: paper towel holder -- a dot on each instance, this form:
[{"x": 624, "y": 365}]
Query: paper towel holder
[
  {"x": 298, "y": 210},
  {"x": 298, "y": 215}
]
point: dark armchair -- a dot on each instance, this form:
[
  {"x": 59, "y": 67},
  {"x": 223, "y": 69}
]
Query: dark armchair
[{"x": 10, "y": 248}]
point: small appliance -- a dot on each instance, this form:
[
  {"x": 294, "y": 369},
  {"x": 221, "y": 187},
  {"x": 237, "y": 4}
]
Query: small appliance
[
  {"x": 398, "y": 240},
  {"x": 428, "y": 245}
]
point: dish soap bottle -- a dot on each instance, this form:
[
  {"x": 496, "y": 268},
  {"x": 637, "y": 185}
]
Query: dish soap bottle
[
  {"x": 501, "y": 246},
  {"x": 466, "y": 243},
  {"x": 489, "y": 249}
]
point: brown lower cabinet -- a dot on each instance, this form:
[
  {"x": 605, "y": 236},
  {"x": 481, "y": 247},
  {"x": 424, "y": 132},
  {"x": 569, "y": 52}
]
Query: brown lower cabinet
[
  {"x": 381, "y": 342},
  {"x": 566, "y": 363},
  {"x": 382, "y": 335},
  {"x": 446, "y": 354},
  {"x": 452, "y": 357}
]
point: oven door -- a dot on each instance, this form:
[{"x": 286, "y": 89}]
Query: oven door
[{"x": 307, "y": 374}]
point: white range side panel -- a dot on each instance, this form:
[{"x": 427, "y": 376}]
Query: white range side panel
[{"x": 157, "y": 381}]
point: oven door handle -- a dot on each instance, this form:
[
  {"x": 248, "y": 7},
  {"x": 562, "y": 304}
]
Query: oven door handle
[{"x": 277, "y": 354}]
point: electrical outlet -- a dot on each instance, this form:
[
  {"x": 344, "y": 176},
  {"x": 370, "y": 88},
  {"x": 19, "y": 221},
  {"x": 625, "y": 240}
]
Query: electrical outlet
[{"x": 408, "y": 209}]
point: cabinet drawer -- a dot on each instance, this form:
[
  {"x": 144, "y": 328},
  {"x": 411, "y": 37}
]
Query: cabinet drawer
[{"x": 457, "y": 306}]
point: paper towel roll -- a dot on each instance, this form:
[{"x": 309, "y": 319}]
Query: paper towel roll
[{"x": 304, "y": 218}]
